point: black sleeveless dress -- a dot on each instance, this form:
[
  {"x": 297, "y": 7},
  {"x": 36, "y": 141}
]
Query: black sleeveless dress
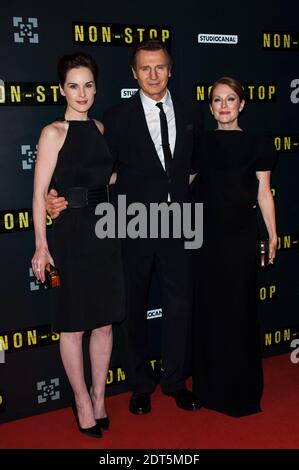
[
  {"x": 227, "y": 375},
  {"x": 91, "y": 293}
]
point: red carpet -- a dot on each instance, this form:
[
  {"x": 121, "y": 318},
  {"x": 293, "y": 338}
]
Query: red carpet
[{"x": 167, "y": 427}]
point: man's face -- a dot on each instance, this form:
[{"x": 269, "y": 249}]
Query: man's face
[{"x": 152, "y": 71}]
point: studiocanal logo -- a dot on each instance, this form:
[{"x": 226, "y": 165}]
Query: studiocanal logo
[
  {"x": 128, "y": 92},
  {"x": 156, "y": 313},
  {"x": 208, "y": 38}
]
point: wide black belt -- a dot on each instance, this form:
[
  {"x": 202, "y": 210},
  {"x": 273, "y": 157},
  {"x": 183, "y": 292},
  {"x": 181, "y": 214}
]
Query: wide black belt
[{"x": 79, "y": 196}]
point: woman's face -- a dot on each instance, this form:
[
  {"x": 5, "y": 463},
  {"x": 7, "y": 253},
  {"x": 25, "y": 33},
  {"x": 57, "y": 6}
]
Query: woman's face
[
  {"x": 79, "y": 89},
  {"x": 226, "y": 106}
]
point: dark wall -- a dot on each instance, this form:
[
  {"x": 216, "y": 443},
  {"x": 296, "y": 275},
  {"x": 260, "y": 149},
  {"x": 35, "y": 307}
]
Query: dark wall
[{"x": 265, "y": 59}]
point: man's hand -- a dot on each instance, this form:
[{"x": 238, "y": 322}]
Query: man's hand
[
  {"x": 55, "y": 204},
  {"x": 113, "y": 178},
  {"x": 192, "y": 178}
]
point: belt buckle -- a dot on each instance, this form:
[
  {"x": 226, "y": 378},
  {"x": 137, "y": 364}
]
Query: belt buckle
[{"x": 98, "y": 194}]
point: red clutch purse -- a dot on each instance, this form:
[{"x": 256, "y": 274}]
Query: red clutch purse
[{"x": 52, "y": 276}]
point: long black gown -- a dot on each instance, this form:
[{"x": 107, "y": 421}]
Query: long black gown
[
  {"x": 91, "y": 292},
  {"x": 227, "y": 357}
]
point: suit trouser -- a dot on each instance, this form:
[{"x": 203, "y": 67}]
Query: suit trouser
[{"x": 174, "y": 267}]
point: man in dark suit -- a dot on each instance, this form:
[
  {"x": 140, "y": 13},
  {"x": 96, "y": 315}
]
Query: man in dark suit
[
  {"x": 154, "y": 168},
  {"x": 133, "y": 131}
]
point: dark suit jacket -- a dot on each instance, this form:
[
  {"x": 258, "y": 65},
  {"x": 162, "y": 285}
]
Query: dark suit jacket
[{"x": 141, "y": 175}]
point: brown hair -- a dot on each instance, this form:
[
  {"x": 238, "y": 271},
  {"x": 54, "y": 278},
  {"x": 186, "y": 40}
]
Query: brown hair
[
  {"x": 232, "y": 83},
  {"x": 150, "y": 45},
  {"x": 74, "y": 61}
]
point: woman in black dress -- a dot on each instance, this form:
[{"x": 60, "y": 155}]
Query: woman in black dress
[
  {"x": 73, "y": 153},
  {"x": 233, "y": 175}
]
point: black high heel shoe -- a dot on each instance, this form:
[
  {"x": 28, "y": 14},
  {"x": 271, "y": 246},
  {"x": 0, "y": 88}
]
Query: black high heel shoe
[
  {"x": 93, "y": 431},
  {"x": 104, "y": 423}
]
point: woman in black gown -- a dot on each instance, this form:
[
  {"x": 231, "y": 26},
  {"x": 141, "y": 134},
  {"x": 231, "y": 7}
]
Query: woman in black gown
[
  {"x": 73, "y": 153},
  {"x": 233, "y": 174}
]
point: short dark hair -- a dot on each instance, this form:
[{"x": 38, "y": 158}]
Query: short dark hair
[
  {"x": 74, "y": 61},
  {"x": 151, "y": 45},
  {"x": 232, "y": 83}
]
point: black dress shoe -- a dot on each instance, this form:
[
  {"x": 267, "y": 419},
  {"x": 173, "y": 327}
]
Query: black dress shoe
[
  {"x": 93, "y": 431},
  {"x": 104, "y": 423},
  {"x": 185, "y": 399},
  {"x": 140, "y": 403}
]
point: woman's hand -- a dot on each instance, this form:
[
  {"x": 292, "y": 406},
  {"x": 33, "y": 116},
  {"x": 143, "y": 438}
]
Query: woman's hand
[
  {"x": 40, "y": 258},
  {"x": 272, "y": 249}
]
